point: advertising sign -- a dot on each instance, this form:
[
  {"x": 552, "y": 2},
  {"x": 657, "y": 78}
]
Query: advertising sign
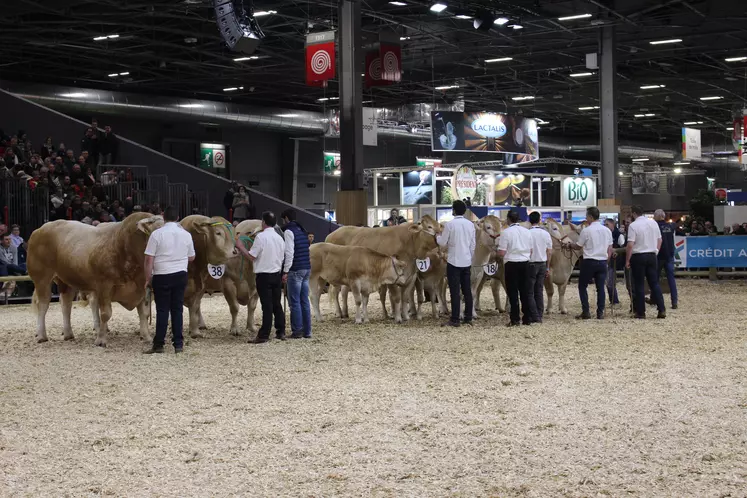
[
  {"x": 511, "y": 190},
  {"x": 373, "y": 70},
  {"x": 464, "y": 182},
  {"x": 579, "y": 192},
  {"x": 320, "y": 58},
  {"x": 417, "y": 187},
  {"x": 485, "y": 132},
  {"x": 370, "y": 126},
  {"x": 212, "y": 156},
  {"x": 638, "y": 180},
  {"x": 331, "y": 162},
  {"x": 427, "y": 162},
  {"x": 690, "y": 143},
  {"x": 390, "y": 55},
  {"x": 710, "y": 252}
]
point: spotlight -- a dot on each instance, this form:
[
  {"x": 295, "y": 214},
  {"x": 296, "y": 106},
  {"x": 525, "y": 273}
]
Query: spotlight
[{"x": 484, "y": 20}]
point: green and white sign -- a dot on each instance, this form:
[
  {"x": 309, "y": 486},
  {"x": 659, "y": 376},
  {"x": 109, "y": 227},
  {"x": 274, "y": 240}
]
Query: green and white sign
[
  {"x": 332, "y": 163},
  {"x": 212, "y": 156},
  {"x": 579, "y": 192},
  {"x": 427, "y": 162}
]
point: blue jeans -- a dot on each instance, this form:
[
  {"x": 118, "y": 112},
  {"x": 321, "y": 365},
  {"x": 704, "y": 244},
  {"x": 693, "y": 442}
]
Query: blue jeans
[
  {"x": 12, "y": 270},
  {"x": 596, "y": 271},
  {"x": 298, "y": 299},
  {"x": 668, "y": 267}
]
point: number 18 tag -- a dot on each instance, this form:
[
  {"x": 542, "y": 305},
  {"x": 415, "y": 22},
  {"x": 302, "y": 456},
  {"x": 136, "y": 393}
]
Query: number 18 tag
[
  {"x": 490, "y": 269},
  {"x": 423, "y": 264},
  {"x": 216, "y": 272}
]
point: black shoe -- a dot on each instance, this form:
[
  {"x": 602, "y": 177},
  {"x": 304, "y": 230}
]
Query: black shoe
[
  {"x": 280, "y": 337},
  {"x": 467, "y": 322},
  {"x": 583, "y": 316},
  {"x": 178, "y": 350},
  {"x": 640, "y": 317},
  {"x": 307, "y": 336},
  {"x": 257, "y": 340},
  {"x": 600, "y": 316},
  {"x": 450, "y": 324},
  {"x": 650, "y": 301},
  {"x": 296, "y": 336},
  {"x": 674, "y": 306},
  {"x": 154, "y": 350},
  {"x": 661, "y": 315},
  {"x": 513, "y": 324}
]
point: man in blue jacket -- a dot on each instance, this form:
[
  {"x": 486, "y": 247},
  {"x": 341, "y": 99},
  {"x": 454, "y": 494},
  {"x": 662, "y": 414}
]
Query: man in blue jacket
[
  {"x": 665, "y": 259},
  {"x": 296, "y": 272}
]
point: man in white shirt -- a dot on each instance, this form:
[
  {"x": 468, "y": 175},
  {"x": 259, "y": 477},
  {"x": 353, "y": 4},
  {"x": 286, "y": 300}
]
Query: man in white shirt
[
  {"x": 458, "y": 236},
  {"x": 538, "y": 266},
  {"x": 167, "y": 256},
  {"x": 596, "y": 241},
  {"x": 515, "y": 247},
  {"x": 644, "y": 242},
  {"x": 267, "y": 253}
]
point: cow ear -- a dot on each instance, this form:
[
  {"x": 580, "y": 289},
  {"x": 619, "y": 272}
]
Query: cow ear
[
  {"x": 415, "y": 228},
  {"x": 149, "y": 225}
]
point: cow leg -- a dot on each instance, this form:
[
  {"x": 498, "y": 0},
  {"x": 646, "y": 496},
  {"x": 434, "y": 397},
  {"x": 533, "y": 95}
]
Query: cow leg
[
  {"x": 419, "y": 292},
  {"x": 143, "y": 313},
  {"x": 251, "y": 306},
  {"x": 495, "y": 286},
  {"x": 550, "y": 291},
  {"x": 358, "y": 303},
  {"x": 344, "y": 313},
  {"x": 67, "y": 294},
  {"x": 315, "y": 290},
  {"x": 334, "y": 296},
  {"x": 561, "y": 299},
  {"x": 364, "y": 298},
  {"x": 442, "y": 286},
  {"x": 230, "y": 294},
  {"x": 105, "y": 310},
  {"x": 382, "y": 298},
  {"x": 395, "y": 295},
  {"x": 406, "y": 299},
  {"x": 477, "y": 281},
  {"x": 195, "y": 317}
]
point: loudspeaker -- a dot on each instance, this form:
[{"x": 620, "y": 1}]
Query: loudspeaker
[
  {"x": 239, "y": 36},
  {"x": 483, "y": 21}
]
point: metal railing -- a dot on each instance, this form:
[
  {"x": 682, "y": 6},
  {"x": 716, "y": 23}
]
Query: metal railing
[
  {"x": 118, "y": 173},
  {"x": 199, "y": 202},
  {"x": 25, "y": 206},
  {"x": 121, "y": 191},
  {"x": 160, "y": 183},
  {"x": 179, "y": 198}
]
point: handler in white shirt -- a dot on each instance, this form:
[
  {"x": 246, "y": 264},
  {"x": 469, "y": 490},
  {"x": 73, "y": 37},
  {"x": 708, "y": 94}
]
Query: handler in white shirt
[
  {"x": 596, "y": 241},
  {"x": 538, "y": 266},
  {"x": 169, "y": 251},
  {"x": 267, "y": 253},
  {"x": 459, "y": 237},
  {"x": 644, "y": 242},
  {"x": 515, "y": 247}
]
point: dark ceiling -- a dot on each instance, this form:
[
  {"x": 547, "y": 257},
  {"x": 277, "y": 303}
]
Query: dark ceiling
[{"x": 174, "y": 48}]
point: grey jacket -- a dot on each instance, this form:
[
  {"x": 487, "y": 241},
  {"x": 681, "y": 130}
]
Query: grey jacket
[{"x": 8, "y": 255}]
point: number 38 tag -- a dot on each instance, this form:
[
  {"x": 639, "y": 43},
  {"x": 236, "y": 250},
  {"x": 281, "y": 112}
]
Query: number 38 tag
[
  {"x": 423, "y": 264},
  {"x": 216, "y": 271},
  {"x": 490, "y": 269}
]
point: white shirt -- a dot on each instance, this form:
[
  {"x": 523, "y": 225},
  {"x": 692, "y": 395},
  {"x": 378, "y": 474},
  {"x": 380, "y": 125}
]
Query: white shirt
[
  {"x": 517, "y": 242},
  {"x": 595, "y": 239},
  {"x": 645, "y": 234},
  {"x": 171, "y": 247},
  {"x": 541, "y": 242},
  {"x": 290, "y": 248},
  {"x": 269, "y": 249},
  {"x": 459, "y": 237}
]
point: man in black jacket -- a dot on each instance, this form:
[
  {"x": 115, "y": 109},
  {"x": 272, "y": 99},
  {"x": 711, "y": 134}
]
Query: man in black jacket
[
  {"x": 108, "y": 147},
  {"x": 665, "y": 258}
]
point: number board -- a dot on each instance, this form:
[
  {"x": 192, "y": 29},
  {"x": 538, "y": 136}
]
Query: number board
[
  {"x": 490, "y": 269},
  {"x": 423, "y": 264},
  {"x": 216, "y": 271}
]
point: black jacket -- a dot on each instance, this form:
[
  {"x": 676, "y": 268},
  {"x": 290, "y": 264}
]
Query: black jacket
[{"x": 667, "y": 240}]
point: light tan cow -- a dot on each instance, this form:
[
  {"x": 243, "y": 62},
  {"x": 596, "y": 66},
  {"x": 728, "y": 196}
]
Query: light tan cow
[
  {"x": 238, "y": 284},
  {"x": 105, "y": 262},
  {"x": 487, "y": 231},
  {"x": 433, "y": 281},
  {"x": 562, "y": 262},
  {"x": 497, "y": 282},
  {"x": 214, "y": 244},
  {"x": 361, "y": 269},
  {"x": 409, "y": 241}
]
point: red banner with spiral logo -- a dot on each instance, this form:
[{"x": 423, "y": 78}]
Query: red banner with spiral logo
[
  {"x": 373, "y": 69},
  {"x": 390, "y": 55},
  {"x": 320, "y": 58}
]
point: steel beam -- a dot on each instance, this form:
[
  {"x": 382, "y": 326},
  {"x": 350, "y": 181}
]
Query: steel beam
[
  {"x": 351, "y": 109},
  {"x": 608, "y": 111}
]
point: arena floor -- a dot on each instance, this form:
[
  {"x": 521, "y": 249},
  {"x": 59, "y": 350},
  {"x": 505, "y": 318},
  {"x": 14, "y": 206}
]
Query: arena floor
[{"x": 615, "y": 408}]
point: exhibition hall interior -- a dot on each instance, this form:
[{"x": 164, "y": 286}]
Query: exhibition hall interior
[{"x": 361, "y": 135}]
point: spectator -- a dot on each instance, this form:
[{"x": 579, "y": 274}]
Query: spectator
[
  {"x": 69, "y": 159},
  {"x": 5, "y": 173},
  {"x": 709, "y": 228},
  {"x": 76, "y": 173},
  {"x": 10, "y": 157},
  {"x": 119, "y": 213},
  {"x": 108, "y": 147},
  {"x": 61, "y": 149},
  {"x": 3, "y": 229},
  {"x": 137, "y": 208},
  {"x": 98, "y": 190},
  {"x": 89, "y": 179},
  {"x": 95, "y": 223},
  {"x": 9, "y": 264},
  {"x": 696, "y": 229},
  {"x": 737, "y": 229},
  {"x": 47, "y": 148},
  {"x": 85, "y": 142},
  {"x": 105, "y": 217},
  {"x": 228, "y": 198},
  {"x": 241, "y": 204},
  {"x": 665, "y": 257},
  {"x": 85, "y": 210},
  {"x": 80, "y": 187},
  {"x": 394, "y": 219},
  {"x": 128, "y": 205},
  {"x": 18, "y": 242},
  {"x": 296, "y": 272},
  {"x": 644, "y": 242}
]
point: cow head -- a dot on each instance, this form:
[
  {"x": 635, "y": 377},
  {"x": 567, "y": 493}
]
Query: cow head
[
  {"x": 488, "y": 230},
  {"x": 562, "y": 233},
  {"x": 218, "y": 239},
  {"x": 150, "y": 224},
  {"x": 423, "y": 237}
]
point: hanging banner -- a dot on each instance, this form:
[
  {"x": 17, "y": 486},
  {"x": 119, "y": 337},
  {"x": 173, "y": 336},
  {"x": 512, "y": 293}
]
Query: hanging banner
[
  {"x": 652, "y": 182},
  {"x": 370, "y": 126},
  {"x": 710, "y": 252},
  {"x": 428, "y": 162},
  {"x": 212, "y": 156},
  {"x": 638, "y": 180},
  {"x": 485, "y": 132},
  {"x": 331, "y": 163},
  {"x": 320, "y": 58},
  {"x": 675, "y": 184},
  {"x": 390, "y": 55},
  {"x": 373, "y": 69},
  {"x": 578, "y": 192},
  {"x": 690, "y": 143},
  {"x": 464, "y": 183}
]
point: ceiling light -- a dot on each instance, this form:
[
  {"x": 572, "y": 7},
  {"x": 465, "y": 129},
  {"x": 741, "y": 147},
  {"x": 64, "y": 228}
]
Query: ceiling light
[
  {"x": 99, "y": 38},
  {"x": 499, "y": 59},
  {"x": 711, "y": 98},
  {"x": 589, "y": 108},
  {"x": 287, "y": 115},
  {"x": 730, "y": 128},
  {"x": 378, "y": 174},
  {"x": 337, "y": 172},
  {"x": 125, "y": 73},
  {"x": 649, "y": 115},
  {"x": 580, "y": 75},
  {"x": 662, "y": 42},
  {"x": 651, "y": 87},
  {"x": 693, "y": 123},
  {"x": 114, "y": 75},
  {"x": 264, "y": 13},
  {"x": 74, "y": 95},
  {"x": 736, "y": 59},
  {"x": 571, "y": 18},
  {"x": 398, "y": 4},
  {"x": 230, "y": 89},
  {"x": 640, "y": 159},
  {"x": 190, "y": 106},
  {"x": 446, "y": 87},
  {"x": 501, "y": 21},
  {"x": 525, "y": 97},
  {"x": 463, "y": 16},
  {"x": 682, "y": 163},
  {"x": 620, "y": 173},
  {"x": 677, "y": 171},
  {"x": 113, "y": 36},
  {"x": 250, "y": 58},
  {"x": 639, "y": 115},
  {"x": 438, "y": 7},
  {"x": 403, "y": 38},
  {"x": 516, "y": 26}
]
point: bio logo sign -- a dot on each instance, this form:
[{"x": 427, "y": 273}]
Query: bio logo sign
[
  {"x": 465, "y": 182},
  {"x": 489, "y": 125},
  {"x": 579, "y": 192}
]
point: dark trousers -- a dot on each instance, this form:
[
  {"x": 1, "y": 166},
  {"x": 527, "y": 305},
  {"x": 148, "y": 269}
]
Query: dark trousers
[
  {"x": 12, "y": 270},
  {"x": 643, "y": 265},
  {"x": 517, "y": 288},
  {"x": 668, "y": 266},
  {"x": 459, "y": 278},
  {"x": 592, "y": 270},
  {"x": 168, "y": 292},
  {"x": 611, "y": 281},
  {"x": 270, "y": 291},
  {"x": 536, "y": 275}
]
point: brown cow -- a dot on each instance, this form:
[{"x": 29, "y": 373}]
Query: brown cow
[
  {"x": 106, "y": 262},
  {"x": 361, "y": 269},
  {"x": 214, "y": 245}
]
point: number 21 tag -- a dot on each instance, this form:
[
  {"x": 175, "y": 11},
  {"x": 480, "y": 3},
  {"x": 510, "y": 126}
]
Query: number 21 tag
[
  {"x": 423, "y": 264},
  {"x": 216, "y": 272}
]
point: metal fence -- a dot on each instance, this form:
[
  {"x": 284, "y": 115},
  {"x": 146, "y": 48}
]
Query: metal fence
[
  {"x": 179, "y": 198},
  {"x": 199, "y": 203},
  {"x": 147, "y": 197},
  {"x": 160, "y": 183},
  {"x": 25, "y": 206},
  {"x": 121, "y": 191},
  {"x": 119, "y": 173}
]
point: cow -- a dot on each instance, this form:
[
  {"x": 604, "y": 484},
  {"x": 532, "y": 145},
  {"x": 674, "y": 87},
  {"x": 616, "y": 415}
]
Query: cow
[
  {"x": 214, "y": 244},
  {"x": 497, "y": 282},
  {"x": 562, "y": 262},
  {"x": 487, "y": 230},
  {"x": 361, "y": 269},
  {"x": 410, "y": 241},
  {"x": 105, "y": 262}
]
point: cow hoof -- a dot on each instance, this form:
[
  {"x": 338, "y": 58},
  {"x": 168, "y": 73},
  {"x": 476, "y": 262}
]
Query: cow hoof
[
  {"x": 197, "y": 335},
  {"x": 563, "y": 312},
  {"x": 100, "y": 342},
  {"x": 203, "y": 327},
  {"x": 358, "y": 322},
  {"x": 69, "y": 337},
  {"x": 40, "y": 340},
  {"x": 235, "y": 332}
]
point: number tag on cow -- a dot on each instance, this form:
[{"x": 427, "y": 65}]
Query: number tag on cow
[
  {"x": 423, "y": 264},
  {"x": 490, "y": 269},
  {"x": 216, "y": 271}
]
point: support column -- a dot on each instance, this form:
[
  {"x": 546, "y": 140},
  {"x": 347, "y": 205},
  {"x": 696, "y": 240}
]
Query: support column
[
  {"x": 608, "y": 111},
  {"x": 294, "y": 193},
  {"x": 351, "y": 195}
]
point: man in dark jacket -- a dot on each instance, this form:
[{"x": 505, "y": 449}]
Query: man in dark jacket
[
  {"x": 296, "y": 272},
  {"x": 228, "y": 198},
  {"x": 108, "y": 147},
  {"x": 665, "y": 258}
]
